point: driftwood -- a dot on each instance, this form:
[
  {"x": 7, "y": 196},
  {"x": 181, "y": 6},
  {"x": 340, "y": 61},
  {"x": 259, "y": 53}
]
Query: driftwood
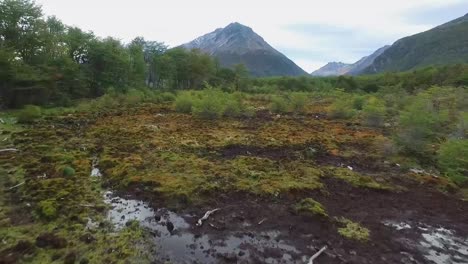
[
  {"x": 261, "y": 221},
  {"x": 16, "y": 186},
  {"x": 311, "y": 260},
  {"x": 8, "y": 149},
  {"x": 205, "y": 217}
]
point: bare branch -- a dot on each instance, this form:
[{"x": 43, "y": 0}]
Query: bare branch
[
  {"x": 16, "y": 186},
  {"x": 8, "y": 150},
  {"x": 205, "y": 217},
  {"x": 311, "y": 260}
]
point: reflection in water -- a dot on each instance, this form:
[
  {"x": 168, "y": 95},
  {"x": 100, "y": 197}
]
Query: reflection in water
[
  {"x": 180, "y": 245},
  {"x": 439, "y": 245}
]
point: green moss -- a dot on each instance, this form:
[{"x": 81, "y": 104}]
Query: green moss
[
  {"x": 355, "y": 179},
  {"x": 353, "y": 230},
  {"x": 310, "y": 206},
  {"x": 48, "y": 209}
]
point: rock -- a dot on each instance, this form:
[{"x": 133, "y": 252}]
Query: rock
[
  {"x": 157, "y": 218},
  {"x": 49, "y": 240},
  {"x": 228, "y": 257},
  {"x": 170, "y": 226}
]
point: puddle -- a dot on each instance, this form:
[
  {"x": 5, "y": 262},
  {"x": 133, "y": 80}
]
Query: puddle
[
  {"x": 439, "y": 245},
  {"x": 175, "y": 243}
]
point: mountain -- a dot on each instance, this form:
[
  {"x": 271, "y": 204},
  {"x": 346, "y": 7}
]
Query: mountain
[
  {"x": 359, "y": 66},
  {"x": 445, "y": 44},
  {"x": 237, "y": 43},
  {"x": 332, "y": 69},
  {"x": 340, "y": 68}
]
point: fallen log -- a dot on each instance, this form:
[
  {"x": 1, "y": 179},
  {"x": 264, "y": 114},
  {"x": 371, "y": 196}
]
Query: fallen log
[
  {"x": 8, "y": 149},
  {"x": 205, "y": 217},
  {"x": 311, "y": 260}
]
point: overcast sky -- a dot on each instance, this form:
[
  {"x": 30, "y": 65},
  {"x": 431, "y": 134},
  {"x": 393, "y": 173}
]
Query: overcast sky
[{"x": 310, "y": 32}]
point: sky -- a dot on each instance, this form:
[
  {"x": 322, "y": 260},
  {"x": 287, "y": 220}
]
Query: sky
[{"x": 310, "y": 32}]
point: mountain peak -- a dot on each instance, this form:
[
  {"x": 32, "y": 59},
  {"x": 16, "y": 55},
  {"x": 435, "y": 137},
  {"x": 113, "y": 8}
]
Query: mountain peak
[
  {"x": 237, "y": 43},
  {"x": 236, "y": 25}
]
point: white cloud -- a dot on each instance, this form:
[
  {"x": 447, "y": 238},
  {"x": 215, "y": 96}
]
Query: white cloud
[{"x": 177, "y": 22}]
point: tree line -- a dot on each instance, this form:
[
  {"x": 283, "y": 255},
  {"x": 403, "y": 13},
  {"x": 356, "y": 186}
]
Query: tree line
[{"x": 44, "y": 61}]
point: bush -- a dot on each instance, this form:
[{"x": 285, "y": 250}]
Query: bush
[
  {"x": 210, "y": 106},
  {"x": 358, "y": 102},
  {"x": 184, "y": 103},
  {"x": 29, "y": 114},
  {"x": 167, "y": 97},
  {"x": 453, "y": 159},
  {"x": 298, "y": 102},
  {"x": 233, "y": 108},
  {"x": 279, "y": 105},
  {"x": 342, "y": 108},
  {"x": 132, "y": 97},
  {"x": 68, "y": 171},
  {"x": 420, "y": 123},
  {"x": 374, "y": 112}
]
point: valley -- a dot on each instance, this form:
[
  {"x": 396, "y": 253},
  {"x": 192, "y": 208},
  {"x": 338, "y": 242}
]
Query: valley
[{"x": 151, "y": 166}]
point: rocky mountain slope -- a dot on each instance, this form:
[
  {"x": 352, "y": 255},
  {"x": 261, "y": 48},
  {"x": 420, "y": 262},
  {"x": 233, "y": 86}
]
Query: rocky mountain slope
[
  {"x": 445, "y": 44},
  {"x": 340, "y": 68},
  {"x": 237, "y": 43}
]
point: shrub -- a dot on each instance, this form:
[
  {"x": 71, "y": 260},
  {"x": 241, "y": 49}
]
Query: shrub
[
  {"x": 279, "y": 105},
  {"x": 342, "y": 108},
  {"x": 68, "y": 171},
  {"x": 420, "y": 123},
  {"x": 233, "y": 108},
  {"x": 29, "y": 114},
  {"x": 298, "y": 102},
  {"x": 133, "y": 97},
  {"x": 184, "y": 103},
  {"x": 167, "y": 97},
  {"x": 209, "y": 107},
  {"x": 358, "y": 102},
  {"x": 453, "y": 159},
  {"x": 374, "y": 112},
  {"x": 310, "y": 206}
]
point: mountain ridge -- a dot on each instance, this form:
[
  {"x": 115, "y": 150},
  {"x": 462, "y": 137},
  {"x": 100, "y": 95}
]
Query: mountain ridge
[
  {"x": 441, "y": 45},
  {"x": 236, "y": 43},
  {"x": 340, "y": 68}
]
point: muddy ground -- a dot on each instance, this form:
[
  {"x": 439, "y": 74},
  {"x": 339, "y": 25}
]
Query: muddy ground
[
  {"x": 245, "y": 215},
  {"x": 165, "y": 170}
]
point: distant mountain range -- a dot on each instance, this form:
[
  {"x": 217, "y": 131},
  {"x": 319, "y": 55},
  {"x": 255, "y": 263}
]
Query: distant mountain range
[
  {"x": 442, "y": 45},
  {"x": 237, "y": 43},
  {"x": 332, "y": 69},
  {"x": 340, "y": 68}
]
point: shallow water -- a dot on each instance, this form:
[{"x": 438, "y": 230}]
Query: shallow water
[
  {"x": 180, "y": 245},
  {"x": 439, "y": 245}
]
